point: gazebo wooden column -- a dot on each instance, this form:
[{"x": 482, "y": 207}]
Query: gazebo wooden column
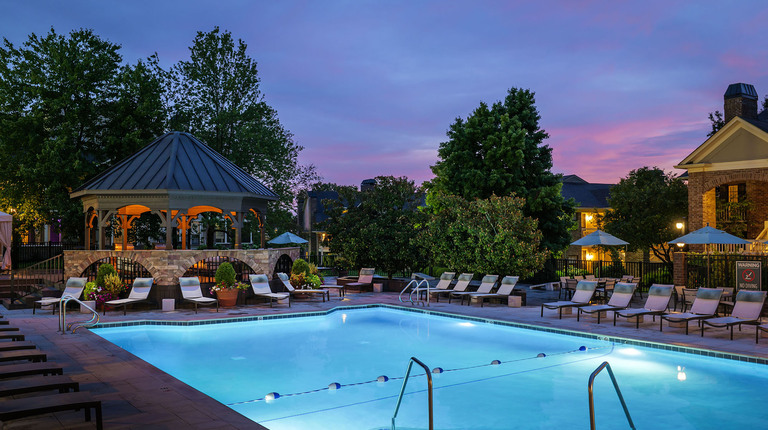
[
  {"x": 103, "y": 216},
  {"x": 237, "y": 224},
  {"x": 183, "y": 222}
]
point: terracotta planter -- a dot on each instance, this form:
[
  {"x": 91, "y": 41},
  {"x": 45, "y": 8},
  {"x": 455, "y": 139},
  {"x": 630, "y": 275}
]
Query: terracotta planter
[{"x": 227, "y": 298}]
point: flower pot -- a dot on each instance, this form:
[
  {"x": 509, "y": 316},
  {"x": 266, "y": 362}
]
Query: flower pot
[{"x": 227, "y": 298}]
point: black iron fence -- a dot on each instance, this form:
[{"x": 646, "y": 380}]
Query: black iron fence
[
  {"x": 648, "y": 272},
  {"x": 719, "y": 270},
  {"x": 26, "y": 254},
  {"x": 127, "y": 269},
  {"x": 205, "y": 270}
]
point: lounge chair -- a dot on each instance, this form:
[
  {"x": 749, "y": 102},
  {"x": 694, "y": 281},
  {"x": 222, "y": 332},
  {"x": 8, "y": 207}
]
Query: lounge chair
[
  {"x": 461, "y": 285},
  {"x": 704, "y": 306},
  {"x": 444, "y": 284},
  {"x": 12, "y": 336},
  {"x": 139, "y": 293},
  {"x": 746, "y": 310},
  {"x": 656, "y": 304},
  {"x": 622, "y": 295},
  {"x": 505, "y": 290},
  {"x": 35, "y": 384},
  {"x": 15, "y": 346},
  {"x": 191, "y": 292},
  {"x": 308, "y": 292},
  {"x": 74, "y": 288},
  {"x": 585, "y": 290},
  {"x": 486, "y": 285},
  {"x": 42, "y": 368},
  {"x": 364, "y": 279},
  {"x": 37, "y": 405},
  {"x": 34, "y": 355},
  {"x": 260, "y": 286}
]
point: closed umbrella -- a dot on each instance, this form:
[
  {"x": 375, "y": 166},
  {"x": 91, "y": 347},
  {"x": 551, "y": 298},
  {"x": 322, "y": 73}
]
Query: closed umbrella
[
  {"x": 599, "y": 237},
  {"x": 286, "y": 238},
  {"x": 707, "y": 236}
]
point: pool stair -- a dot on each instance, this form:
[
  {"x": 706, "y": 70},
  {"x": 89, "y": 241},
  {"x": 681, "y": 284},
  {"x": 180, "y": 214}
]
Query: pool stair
[
  {"x": 594, "y": 374},
  {"x": 419, "y": 284},
  {"x": 402, "y": 391}
]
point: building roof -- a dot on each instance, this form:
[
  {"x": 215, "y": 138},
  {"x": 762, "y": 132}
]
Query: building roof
[
  {"x": 177, "y": 161},
  {"x": 587, "y": 195}
]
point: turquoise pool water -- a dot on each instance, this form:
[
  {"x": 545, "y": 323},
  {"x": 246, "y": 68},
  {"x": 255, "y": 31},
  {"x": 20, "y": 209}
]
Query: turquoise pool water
[{"x": 239, "y": 363}]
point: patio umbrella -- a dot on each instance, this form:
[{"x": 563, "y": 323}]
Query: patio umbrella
[
  {"x": 286, "y": 238},
  {"x": 599, "y": 237},
  {"x": 707, "y": 236}
]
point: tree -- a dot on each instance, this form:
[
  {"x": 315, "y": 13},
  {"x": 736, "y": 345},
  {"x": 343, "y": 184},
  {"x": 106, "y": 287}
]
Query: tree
[
  {"x": 483, "y": 235},
  {"x": 716, "y": 118},
  {"x": 378, "y": 227},
  {"x": 645, "y": 206},
  {"x": 215, "y": 95},
  {"x": 500, "y": 151},
  {"x": 68, "y": 110}
]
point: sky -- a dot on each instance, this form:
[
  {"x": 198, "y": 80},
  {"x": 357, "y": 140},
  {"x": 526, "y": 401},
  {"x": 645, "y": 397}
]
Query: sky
[{"x": 370, "y": 88}]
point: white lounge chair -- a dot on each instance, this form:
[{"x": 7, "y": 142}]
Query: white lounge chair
[
  {"x": 364, "y": 279},
  {"x": 309, "y": 292},
  {"x": 486, "y": 285},
  {"x": 444, "y": 284},
  {"x": 505, "y": 290},
  {"x": 585, "y": 290},
  {"x": 461, "y": 285},
  {"x": 747, "y": 310},
  {"x": 656, "y": 303},
  {"x": 191, "y": 292},
  {"x": 139, "y": 293},
  {"x": 704, "y": 306},
  {"x": 622, "y": 295},
  {"x": 260, "y": 286},
  {"x": 74, "y": 288}
]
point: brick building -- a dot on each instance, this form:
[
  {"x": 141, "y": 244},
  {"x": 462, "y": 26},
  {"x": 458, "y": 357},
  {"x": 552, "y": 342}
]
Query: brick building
[{"x": 728, "y": 173}]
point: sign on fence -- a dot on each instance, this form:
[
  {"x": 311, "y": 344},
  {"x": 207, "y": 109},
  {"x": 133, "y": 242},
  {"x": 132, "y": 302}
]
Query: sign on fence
[{"x": 748, "y": 275}]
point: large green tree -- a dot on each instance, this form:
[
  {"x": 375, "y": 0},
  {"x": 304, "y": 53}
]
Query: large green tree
[
  {"x": 378, "y": 227},
  {"x": 499, "y": 150},
  {"x": 68, "y": 110},
  {"x": 486, "y": 236},
  {"x": 215, "y": 95},
  {"x": 645, "y": 208}
]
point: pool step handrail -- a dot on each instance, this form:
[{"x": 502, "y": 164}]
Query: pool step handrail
[
  {"x": 415, "y": 287},
  {"x": 63, "y": 326},
  {"x": 605, "y": 365},
  {"x": 402, "y": 391}
]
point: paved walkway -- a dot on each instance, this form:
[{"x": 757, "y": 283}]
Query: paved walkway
[{"x": 136, "y": 395}]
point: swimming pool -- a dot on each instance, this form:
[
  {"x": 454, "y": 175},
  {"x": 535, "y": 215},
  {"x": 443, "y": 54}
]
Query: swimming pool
[{"x": 239, "y": 363}]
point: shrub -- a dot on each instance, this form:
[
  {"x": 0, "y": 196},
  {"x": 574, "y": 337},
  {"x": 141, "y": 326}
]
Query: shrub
[
  {"x": 104, "y": 270},
  {"x": 300, "y": 267},
  {"x": 89, "y": 290},
  {"x": 225, "y": 274}
]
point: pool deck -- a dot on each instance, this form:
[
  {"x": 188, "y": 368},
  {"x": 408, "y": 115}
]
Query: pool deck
[{"x": 136, "y": 395}]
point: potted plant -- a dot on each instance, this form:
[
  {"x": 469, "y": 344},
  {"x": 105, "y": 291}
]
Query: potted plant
[
  {"x": 227, "y": 288},
  {"x": 305, "y": 275},
  {"x": 108, "y": 286}
]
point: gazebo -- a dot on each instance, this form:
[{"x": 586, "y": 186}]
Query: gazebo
[{"x": 177, "y": 177}]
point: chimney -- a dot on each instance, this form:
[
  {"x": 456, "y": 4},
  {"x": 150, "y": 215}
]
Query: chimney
[
  {"x": 740, "y": 100},
  {"x": 367, "y": 184}
]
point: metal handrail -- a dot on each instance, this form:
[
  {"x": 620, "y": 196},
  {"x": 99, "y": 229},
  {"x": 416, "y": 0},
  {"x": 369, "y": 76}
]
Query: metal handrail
[
  {"x": 63, "y": 327},
  {"x": 618, "y": 392},
  {"x": 402, "y": 390},
  {"x": 415, "y": 290}
]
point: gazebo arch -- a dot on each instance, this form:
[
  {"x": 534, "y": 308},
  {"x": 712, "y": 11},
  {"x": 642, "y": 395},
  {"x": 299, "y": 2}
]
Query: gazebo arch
[{"x": 176, "y": 177}]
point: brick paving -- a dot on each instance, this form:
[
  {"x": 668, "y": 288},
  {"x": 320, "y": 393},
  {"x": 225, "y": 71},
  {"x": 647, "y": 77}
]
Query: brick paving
[{"x": 136, "y": 395}]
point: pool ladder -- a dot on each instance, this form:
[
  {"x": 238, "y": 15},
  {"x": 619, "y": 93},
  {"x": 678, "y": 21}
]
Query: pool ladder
[
  {"x": 63, "y": 326},
  {"x": 402, "y": 391},
  {"x": 605, "y": 365},
  {"x": 419, "y": 284}
]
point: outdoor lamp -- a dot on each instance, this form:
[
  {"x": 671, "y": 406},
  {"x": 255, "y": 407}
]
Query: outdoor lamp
[
  {"x": 680, "y": 245},
  {"x": 679, "y": 226}
]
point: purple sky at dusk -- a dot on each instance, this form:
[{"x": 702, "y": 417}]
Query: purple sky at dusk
[{"x": 370, "y": 87}]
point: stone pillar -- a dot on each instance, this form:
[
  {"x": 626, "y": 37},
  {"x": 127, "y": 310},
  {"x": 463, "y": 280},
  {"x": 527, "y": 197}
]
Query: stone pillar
[{"x": 680, "y": 272}]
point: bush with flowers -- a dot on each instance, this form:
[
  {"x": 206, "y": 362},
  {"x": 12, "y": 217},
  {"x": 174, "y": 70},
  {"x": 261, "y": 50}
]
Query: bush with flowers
[
  {"x": 305, "y": 275},
  {"x": 110, "y": 289},
  {"x": 226, "y": 279}
]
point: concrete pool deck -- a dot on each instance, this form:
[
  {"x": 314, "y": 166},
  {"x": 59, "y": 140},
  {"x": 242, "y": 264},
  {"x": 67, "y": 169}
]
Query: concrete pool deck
[{"x": 136, "y": 395}]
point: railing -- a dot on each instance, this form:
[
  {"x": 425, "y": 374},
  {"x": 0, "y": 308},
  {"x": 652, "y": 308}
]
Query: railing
[
  {"x": 605, "y": 365},
  {"x": 402, "y": 391},
  {"x": 63, "y": 327},
  {"x": 648, "y": 272},
  {"x": 722, "y": 269},
  {"x": 49, "y": 271},
  {"x": 24, "y": 254},
  {"x": 417, "y": 288}
]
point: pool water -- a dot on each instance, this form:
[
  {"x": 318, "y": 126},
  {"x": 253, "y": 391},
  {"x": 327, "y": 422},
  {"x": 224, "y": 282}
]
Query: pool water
[{"x": 239, "y": 363}]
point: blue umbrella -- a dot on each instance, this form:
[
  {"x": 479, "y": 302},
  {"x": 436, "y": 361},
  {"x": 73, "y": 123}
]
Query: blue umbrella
[
  {"x": 286, "y": 238},
  {"x": 599, "y": 237},
  {"x": 709, "y": 235}
]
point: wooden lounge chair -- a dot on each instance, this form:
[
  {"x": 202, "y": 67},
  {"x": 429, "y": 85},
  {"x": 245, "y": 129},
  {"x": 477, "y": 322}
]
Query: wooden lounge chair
[
  {"x": 192, "y": 293},
  {"x": 622, "y": 295},
  {"x": 15, "y": 346},
  {"x": 444, "y": 284},
  {"x": 35, "y": 384},
  {"x": 34, "y": 355},
  {"x": 704, "y": 306},
  {"x": 74, "y": 288},
  {"x": 659, "y": 296},
  {"x": 12, "y": 336},
  {"x": 461, "y": 285},
  {"x": 139, "y": 293},
  {"x": 38, "y": 405},
  {"x": 365, "y": 279},
  {"x": 260, "y": 286},
  {"x": 505, "y": 290},
  {"x": 585, "y": 290},
  {"x": 746, "y": 310},
  {"x": 308, "y": 292},
  {"x": 8, "y": 328},
  {"x": 25, "y": 369},
  {"x": 486, "y": 285}
]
